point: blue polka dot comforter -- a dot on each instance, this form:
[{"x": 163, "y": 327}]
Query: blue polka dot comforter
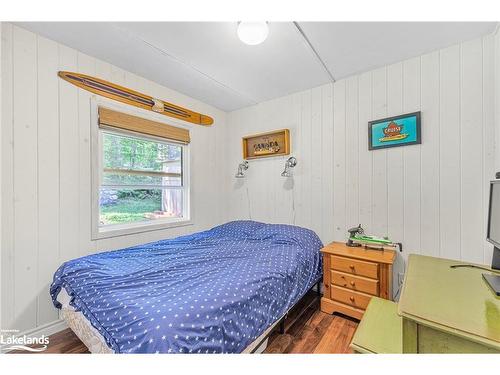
[{"x": 210, "y": 292}]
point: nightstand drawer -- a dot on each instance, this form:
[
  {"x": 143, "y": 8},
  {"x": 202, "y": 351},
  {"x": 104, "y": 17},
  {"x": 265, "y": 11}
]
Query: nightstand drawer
[
  {"x": 358, "y": 283},
  {"x": 350, "y": 297},
  {"x": 355, "y": 267}
]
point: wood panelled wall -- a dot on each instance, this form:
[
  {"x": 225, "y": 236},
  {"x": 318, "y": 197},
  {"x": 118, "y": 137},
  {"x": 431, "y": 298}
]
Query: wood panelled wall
[
  {"x": 432, "y": 197},
  {"x": 46, "y": 186},
  {"x": 497, "y": 100}
]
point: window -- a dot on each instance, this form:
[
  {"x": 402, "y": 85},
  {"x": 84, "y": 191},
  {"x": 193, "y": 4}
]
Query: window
[{"x": 142, "y": 181}]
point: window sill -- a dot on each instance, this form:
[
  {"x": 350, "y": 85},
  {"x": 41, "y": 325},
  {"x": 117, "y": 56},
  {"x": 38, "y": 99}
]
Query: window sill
[{"x": 127, "y": 229}]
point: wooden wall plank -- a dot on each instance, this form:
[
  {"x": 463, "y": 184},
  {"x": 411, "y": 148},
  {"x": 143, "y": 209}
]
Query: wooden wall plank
[
  {"x": 395, "y": 166},
  {"x": 264, "y": 195},
  {"x": 497, "y": 95},
  {"x": 118, "y": 75},
  {"x": 257, "y": 190},
  {"x": 411, "y": 155},
  {"x": 275, "y": 203},
  {"x": 488, "y": 132},
  {"x": 339, "y": 160},
  {"x": 275, "y": 168},
  {"x": 1, "y": 168},
  {"x": 25, "y": 177},
  {"x": 103, "y": 71},
  {"x": 395, "y": 171},
  {"x": 239, "y": 204},
  {"x": 69, "y": 159},
  {"x": 471, "y": 115},
  {"x": 449, "y": 146},
  {"x": 48, "y": 175},
  {"x": 223, "y": 174},
  {"x": 316, "y": 160},
  {"x": 429, "y": 153},
  {"x": 379, "y": 187},
  {"x": 365, "y": 155},
  {"x": 284, "y": 207},
  {"x": 86, "y": 65},
  {"x": 297, "y": 150},
  {"x": 305, "y": 198},
  {"x": 327, "y": 168},
  {"x": 7, "y": 128},
  {"x": 352, "y": 152}
]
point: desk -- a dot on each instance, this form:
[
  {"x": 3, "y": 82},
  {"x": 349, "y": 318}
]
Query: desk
[
  {"x": 380, "y": 330},
  {"x": 443, "y": 310}
]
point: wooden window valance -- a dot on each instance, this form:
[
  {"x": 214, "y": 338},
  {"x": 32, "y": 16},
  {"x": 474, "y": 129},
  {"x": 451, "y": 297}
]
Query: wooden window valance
[{"x": 119, "y": 120}]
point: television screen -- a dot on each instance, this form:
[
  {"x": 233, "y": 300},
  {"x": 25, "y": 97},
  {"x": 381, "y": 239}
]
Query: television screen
[{"x": 494, "y": 214}]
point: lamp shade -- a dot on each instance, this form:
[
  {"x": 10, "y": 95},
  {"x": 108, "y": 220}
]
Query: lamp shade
[{"x": 252, "y": 33}]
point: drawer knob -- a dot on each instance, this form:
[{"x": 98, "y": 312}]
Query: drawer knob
[
  {"x": 353, "y": 283},
  {"x": 351, "y": 298},
  {"x": 351, "y": 266}
]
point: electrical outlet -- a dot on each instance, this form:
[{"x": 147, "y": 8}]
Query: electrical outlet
[{"x": 401, "y": 277}]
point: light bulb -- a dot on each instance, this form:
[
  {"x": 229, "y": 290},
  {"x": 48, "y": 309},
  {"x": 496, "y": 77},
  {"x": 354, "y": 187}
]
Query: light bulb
[{"x": 252, "y": 33}]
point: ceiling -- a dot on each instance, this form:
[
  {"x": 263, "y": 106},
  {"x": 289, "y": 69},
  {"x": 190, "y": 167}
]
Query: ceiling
[{"x": 206, "y": 60}]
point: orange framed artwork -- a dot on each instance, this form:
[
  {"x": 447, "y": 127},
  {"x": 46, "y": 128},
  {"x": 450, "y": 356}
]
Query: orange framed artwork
[{"x": 263, "y": 145}]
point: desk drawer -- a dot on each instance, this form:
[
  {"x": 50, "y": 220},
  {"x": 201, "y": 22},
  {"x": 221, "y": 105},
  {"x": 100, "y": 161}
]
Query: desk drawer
[
  {"x": 355, "y": 267},
  {"x": 358, "y": 283},
  {"x": 350, "y": 297}
]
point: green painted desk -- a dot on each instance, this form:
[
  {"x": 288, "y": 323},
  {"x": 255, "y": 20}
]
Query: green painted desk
[
  {"x": 442, "y": 310},
  {"x": 447, "y": 310},
  {"x": 380, "y": 330}
]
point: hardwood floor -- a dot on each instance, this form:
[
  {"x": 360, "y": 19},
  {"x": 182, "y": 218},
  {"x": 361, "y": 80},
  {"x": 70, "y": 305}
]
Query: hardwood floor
[
  {"x": 307, "y": 330},
  {"x": 314, "y": 332}
]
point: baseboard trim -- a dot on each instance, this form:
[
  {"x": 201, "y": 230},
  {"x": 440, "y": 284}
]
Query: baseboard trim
[{"x": 45, "y": 329}]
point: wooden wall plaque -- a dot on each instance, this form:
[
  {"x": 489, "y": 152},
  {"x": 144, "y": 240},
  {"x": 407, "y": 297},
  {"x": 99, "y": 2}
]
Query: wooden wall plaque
[{"x": 275, "y": 143}]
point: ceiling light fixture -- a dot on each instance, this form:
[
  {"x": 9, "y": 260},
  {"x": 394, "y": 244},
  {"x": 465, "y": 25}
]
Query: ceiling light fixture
[{"x": 252, "y": 33}]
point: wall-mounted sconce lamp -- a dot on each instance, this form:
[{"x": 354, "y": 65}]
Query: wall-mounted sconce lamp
[
  {"x": 243, "y": 166},
  {"x": 290, "y": 163}
]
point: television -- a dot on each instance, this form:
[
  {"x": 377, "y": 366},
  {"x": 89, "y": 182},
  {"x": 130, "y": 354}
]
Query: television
[{"x": 493, "y": 234}]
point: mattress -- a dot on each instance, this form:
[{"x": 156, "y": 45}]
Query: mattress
[
  {"x": 215, "y": 291},
  {"x": 82, "y": 327}
]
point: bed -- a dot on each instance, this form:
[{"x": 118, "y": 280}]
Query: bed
[{"x": 217, "y": 291}]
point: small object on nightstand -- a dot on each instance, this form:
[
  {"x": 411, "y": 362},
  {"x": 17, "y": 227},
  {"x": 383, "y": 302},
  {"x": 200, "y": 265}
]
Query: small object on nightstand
[
  {"x": 352, "y": 234},
  {"x": 358, "y": 238}
]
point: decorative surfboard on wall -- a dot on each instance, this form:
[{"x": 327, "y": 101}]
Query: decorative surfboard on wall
[{"x": 122, "y": 94}]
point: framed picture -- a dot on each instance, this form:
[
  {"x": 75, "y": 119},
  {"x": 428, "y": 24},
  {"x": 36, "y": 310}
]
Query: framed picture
[
  {"x": 395, "y": 131},
  {"x": 262, "y": 145}
]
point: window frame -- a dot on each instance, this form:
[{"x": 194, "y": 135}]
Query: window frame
[{"x": 116, "y": 230}]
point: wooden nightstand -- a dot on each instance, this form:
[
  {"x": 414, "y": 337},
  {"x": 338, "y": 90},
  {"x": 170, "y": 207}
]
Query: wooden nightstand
[{"x": 352, "y": 276}]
